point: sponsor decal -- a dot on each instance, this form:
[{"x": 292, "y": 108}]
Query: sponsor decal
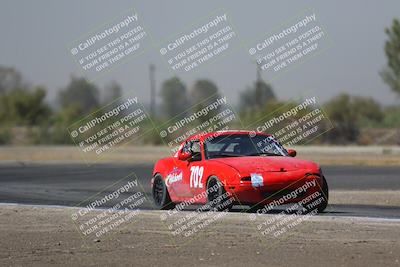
[
  {"x": 257, "y": 180},
  {"x": 175, "y": 176}
]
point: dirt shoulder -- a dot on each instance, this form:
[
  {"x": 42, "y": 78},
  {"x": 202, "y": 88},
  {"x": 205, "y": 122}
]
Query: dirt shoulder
[
  {"x": 365, "y": 197},
  {"x": 325, "y": 155},
  {"x": 42, "y": 236}
]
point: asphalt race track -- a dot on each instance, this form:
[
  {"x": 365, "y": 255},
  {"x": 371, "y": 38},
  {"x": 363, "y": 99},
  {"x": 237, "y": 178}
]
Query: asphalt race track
[{"x": 70, "y": 184}]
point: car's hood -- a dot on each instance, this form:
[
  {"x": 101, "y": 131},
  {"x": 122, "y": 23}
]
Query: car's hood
[{"x": 267, "y": 164}]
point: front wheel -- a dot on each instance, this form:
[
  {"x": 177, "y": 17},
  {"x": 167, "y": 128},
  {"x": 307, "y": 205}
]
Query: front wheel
[
  {"x": 161, "y": 196},
  {"x": 217, "y": 197},
  {"x": 325, "y": 195},
  {"x": 322, "y": 199}
]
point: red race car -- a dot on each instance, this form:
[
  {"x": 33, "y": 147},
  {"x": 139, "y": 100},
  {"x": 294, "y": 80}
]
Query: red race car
[{"x": 227, "y": 168}]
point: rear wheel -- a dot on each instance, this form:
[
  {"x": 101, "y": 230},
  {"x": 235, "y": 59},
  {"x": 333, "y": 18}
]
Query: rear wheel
[
  {"x": 217, "y": 198},
  {"x": 161, "y": 196}
]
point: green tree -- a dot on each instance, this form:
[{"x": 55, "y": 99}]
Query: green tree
[
  {"x": 344, "y": 118},
  {"x": 24, "y": 107},
  {"x": 203, "y": 89},
  {"x": 61, "y": 122},
  {"x": 391, "y": 117},
  {"x": 6, "y": 135},
  {"x": 55, "y": 130},
  {"x": 174, "y": 97},
  {"x": 10, "y": 79},
  {"x": 256, "y": 97},
  {"x": 80, "y": 94},
  {"x": 391, "y": 74},
  {"x": 203, "y": 93},
  {"x": 369, "y": 112}
]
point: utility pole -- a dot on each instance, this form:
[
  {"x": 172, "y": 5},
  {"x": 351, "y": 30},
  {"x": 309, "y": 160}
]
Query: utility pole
[
  {"x": 152, "y": 91},
  {"x": 258, "y": 87},
  {"x": 258, "y": 73}
]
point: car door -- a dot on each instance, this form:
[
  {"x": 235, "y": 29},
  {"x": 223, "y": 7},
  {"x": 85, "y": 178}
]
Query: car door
[
  {"x": 196, "y": 169},
  {"x": 182, "y": 189},
  {"x": 192, "y": 170}
]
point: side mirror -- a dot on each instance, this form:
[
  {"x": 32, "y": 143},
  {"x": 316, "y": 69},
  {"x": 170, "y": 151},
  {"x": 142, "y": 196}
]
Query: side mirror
[
  {"x": 184, "y": 155},
  {"x": 292, "y": 152}
]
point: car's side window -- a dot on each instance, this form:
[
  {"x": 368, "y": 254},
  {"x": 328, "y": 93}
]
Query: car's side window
[
  {"x": 195, "y": 149},
  {"x": 186, "y": 147}
]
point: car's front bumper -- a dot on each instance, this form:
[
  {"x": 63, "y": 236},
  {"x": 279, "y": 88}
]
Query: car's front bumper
[{"x": 284, "y": 190}]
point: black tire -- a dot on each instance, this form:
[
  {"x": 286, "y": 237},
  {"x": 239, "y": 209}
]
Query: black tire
[
  {"x": 324, "y": 203},
  {"x": 325, "y": 194},
  {"x": 160, "y": 193},
  {"x": 216, "y": 199}
]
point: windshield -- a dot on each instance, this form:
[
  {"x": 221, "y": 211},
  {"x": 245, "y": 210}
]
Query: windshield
[{"x": 239, "y": 145}]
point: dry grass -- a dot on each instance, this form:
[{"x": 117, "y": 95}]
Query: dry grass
[
  {"x": 350, "y": 155},
  {"x": 365, "y": 197}
]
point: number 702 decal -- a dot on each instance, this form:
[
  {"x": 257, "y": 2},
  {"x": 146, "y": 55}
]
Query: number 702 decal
[{"x": 196, "y": 175}]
